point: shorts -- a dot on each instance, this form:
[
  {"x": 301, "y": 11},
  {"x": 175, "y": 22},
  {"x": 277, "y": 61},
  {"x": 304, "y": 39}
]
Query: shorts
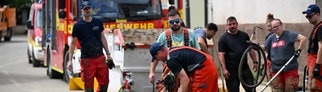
[
  {"x": 288, "y": 80},
  {"x": 94, "y": 67},
  {"x": 268, "y": 69},
  {"x": 314, "y": 84}
]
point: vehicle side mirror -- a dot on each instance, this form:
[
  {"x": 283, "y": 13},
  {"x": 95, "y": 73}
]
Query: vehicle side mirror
[
  {"x": 62, "y": 14},
  {"x": 29, "y": 25},
  {"x": 171, "y": 2}
]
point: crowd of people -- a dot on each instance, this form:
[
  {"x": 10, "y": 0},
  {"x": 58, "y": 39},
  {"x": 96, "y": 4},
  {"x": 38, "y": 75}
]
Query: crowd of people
[
  {"x": 184, "y": 63},
  {"x": 187, "y": 65}
]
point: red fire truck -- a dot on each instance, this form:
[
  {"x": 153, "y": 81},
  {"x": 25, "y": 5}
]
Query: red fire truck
[{"x": 137, "y": 22}]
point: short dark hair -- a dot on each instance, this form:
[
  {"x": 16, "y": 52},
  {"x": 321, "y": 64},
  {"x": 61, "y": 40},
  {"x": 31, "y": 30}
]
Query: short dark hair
[
  {"x": 231, "y": 18},
  {"x": 212, "y": 26},
  {"x": 270, "y": 17},
  {"x": 171, "y": 8},
  {"x": 173, "y": 12}
]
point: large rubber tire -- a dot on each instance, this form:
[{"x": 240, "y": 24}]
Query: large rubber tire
[
  {"x": 67, "y": 74},
  {"x": 29, "y": 57},
  {"x": 261, "y": 55},
  {"x": 0, "y": 35},
  {"x": 35, "y": 63},
  {"x": 9, "y": 35},
  {"x": 50, "y": 72}
]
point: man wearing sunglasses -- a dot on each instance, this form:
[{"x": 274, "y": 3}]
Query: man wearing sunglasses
[
  {"x": 89, "y": 32},
  {"x": 314, "y": 48},
  {"x": 177, "y": 35}
]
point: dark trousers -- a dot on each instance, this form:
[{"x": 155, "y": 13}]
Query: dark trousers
[{"x": 233, "y": 82}]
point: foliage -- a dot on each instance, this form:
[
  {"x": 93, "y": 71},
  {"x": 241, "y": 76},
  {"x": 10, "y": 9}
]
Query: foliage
[{"x": 18, "y": 4}]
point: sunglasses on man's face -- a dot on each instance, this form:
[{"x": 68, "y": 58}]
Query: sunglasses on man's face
[
  {"x": 174, "y": 21},
  {"x": 310, "y": 16}
]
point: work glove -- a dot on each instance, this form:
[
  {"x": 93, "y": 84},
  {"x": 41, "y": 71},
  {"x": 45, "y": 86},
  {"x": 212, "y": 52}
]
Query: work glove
[
  {"x": 110, "y": 64},
  {"x": 316, "y": 71},
  {"x": 297, "y": 53}
]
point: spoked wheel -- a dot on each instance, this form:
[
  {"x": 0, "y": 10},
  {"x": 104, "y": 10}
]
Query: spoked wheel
[{"x": 260, "y": 74}]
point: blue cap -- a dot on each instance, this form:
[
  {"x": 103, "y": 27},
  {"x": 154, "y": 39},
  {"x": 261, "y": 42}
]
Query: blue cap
[
  {"x": 313, "y": 8},
  {"x": 86, "y": 4},
  {"x": 155, "y": 47}
]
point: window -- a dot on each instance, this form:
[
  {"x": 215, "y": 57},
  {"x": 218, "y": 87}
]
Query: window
[
  {"x": 110, "y": 10},
  {"x": 39, "y": 18}
]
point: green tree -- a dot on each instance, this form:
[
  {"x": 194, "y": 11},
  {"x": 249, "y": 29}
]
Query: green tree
[{"x": 18, "y": 4}]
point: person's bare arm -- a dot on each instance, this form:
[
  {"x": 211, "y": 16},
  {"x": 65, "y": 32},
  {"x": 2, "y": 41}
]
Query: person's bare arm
[
  {"x": 254, "y": 58},
  {"x": 184, "y": 81},
  {"x": 302, "y": 39},
  {"x": 153, "y": 65},
  {"x": 253, "y": 55},
  {"x": 105, "y": 46},
  {"x": 71, "y": 52},
  {"x": 221, "y": 56},
  {"x": 72, "y": 48},
  {"x": 202, "y": 44},
  {"x": 319, "y": 54}
]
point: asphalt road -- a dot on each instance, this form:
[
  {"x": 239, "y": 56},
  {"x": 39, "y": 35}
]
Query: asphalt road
[{"x": 16, "y": 75}]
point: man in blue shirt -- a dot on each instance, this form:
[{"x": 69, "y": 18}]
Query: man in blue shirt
[
  {"x": 89, "y": 32},
  {"x": 203, "y": 34}
]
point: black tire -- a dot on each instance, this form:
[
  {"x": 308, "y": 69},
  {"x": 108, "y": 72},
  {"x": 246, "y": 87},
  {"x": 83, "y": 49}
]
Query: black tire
[
  {"x": 9, "y": 35},
  {"x": 50, "y": 72},
  {"x": 0, "y": 35},
  {"x": 261, "y": 54},
  {"x": 35, "y": 63},
  {"x": 29, "y": 57},
  {"x": 67, "y": 74}
]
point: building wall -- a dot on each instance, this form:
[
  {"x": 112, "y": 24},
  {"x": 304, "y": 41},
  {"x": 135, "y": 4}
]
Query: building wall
[
  {"x": 251, "y": 13},
  {"x": 255, "y": 11},
  {"x": 197, "y": 13}
]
